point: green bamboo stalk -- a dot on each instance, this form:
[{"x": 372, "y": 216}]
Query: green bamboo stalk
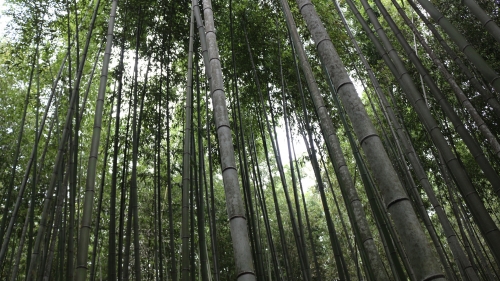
[
  {"x": 484, "y": 92},
  {"x": 186, "y": 160},
  {"x": 237, "y": 220},
  {"x": 488, "y": 23},
  {"x": 84, "y": 235},
  {"x": 392, "y": 192},
  {"x": 462, "y": 179},
  {"x": 464, "y": 101},
  {"x": 484, "y": 68}
]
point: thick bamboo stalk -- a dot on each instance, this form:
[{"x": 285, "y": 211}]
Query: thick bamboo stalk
[
  {"x": 412, "y": 157},
  {"x": 59, "y": 157},
  {"x": 485, "y": 93},
  {"x": 234, "y": 205},
  {"x": 335, "y": 152},
  {"x": 450, "y": 113},
  {"x": 474, "y": 57},
  {"x": 488, "y": 23},
  {"x": 395, "y": 200},
  {"x": 84, "y": 236},
  {"x": 464, "y": 101},
  {"x": 101, "y": 192},
  {"x": 490, "y": 230}
]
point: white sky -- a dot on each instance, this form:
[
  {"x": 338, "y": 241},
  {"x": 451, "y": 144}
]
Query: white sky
[{"x": 3, "y": 19}]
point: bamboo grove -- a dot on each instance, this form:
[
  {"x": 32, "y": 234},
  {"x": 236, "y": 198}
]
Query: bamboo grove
[{"x": 250, "y": 140}]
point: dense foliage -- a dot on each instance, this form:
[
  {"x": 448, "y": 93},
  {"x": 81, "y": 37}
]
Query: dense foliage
[{"x": 136, "y": 207}]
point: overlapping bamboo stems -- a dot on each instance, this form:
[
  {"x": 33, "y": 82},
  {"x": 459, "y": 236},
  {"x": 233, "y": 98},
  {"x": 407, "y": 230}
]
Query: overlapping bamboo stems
[
  {"x": 457, "y": 250},
  {"x": 30, "y": 213},
  {"x": 128, "y": 236},
  {"x": 73, "y": 150},
  {"x": 263, "y": 110},
  {"x": 469, "y": 141},
  {"x": 10, "y": 188},
  {"x": 200, "y": 204},
  {"x": 279, "y": 219},
  {"x": 62, "y": 234},
  {"x": 211, "y": 207},
  {"x": 51, "y": 222},
  {"x": 274, "y": 133},
  {"x": 30, "y": 208},
  {"x": 306, "y": 274},
  {"x": 123, "y": 203},
  {"x": 186, "y": 160},
  {"x": 465, "y": 241},
  {"x": 335, "y": 151},
  {"x": 481, "y": 264},
  {"x": 483, "y": 259},
  {"x": 243, "y": 159},
  {"x": 5, "y": 217},
  {"x": 173, "y": 267},
  {"x": 386, "y": 229},
  {"x": 484, "y": 92},
  {"x": 137, "y": 120},
  {"x": 30, "y": 161},
  {"x": 392, "y": 244},
  {"x": 391, "y": 190},
  {"x": 446, "y": 106},
  {"x": 193, "y": 204},
  {"x": 262, "y": 203},
  {"x": 16, "y": 261},
  {"x": 474, "y": 57},
  {"x": 340, "y": 263},
  {"x": 208, "y": 73},
  {"x": 209, "y": 214},
  {"x": 475, "y": 252},
  {"x": 306, "y": 214},
  {"x": 411, "y": 156},
  {"x": 346, "y": 233},
  {"x": 463, "y": 181},
  {"x": 475, "y": 236},
  {"x": 59, "y": 157},
  {"x": 464, "y": 101},
  {"x": 158, "y": 212},
  {"x": 234, "y": 205},
  {"x": 111, "y": 262},
  {"x": 300, "y": 231},
  {"x": 355, "y": 229},
  {"x": 254, "y": 232},
  {"x": 334, "y": 241},
  {"x": 486, "y": 21},
  {"x": 84, "y": 235},
  {"x": 277, "y": 156},
  {"x": 286, "y": 118},
  {"x": 464, "y": 262},
  {"x": 56, "y": 225}
]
